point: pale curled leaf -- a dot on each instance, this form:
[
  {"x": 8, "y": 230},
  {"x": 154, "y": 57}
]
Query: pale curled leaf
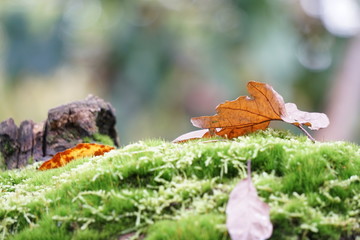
[
  {"x": 247, "y": 217},
  {"x": 190, "y": 136},
  {"x": 313, "y": 120}
]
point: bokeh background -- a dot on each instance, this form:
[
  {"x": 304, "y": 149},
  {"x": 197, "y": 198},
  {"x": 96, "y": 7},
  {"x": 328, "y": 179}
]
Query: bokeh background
[{"x": 161, "y": 62}]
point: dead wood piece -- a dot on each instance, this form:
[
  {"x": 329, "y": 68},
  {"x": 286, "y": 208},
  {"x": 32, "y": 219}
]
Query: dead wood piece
[
  {"x": 25, "y": 141},
  {"x": 69, "y": 124},
  {"x": 9, "y": 146},
  {"x": 38, "y": 137}
]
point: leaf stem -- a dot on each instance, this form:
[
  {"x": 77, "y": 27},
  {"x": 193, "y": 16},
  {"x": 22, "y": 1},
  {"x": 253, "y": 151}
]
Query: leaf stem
[
  {"x": 307, "y": 134},
  {"x": 249, "y": 168}
]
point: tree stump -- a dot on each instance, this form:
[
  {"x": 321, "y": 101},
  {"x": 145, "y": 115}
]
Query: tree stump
[{"x": 66, "y": 126}]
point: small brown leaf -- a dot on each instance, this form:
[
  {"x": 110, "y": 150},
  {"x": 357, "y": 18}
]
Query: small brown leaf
[
  {"x": 79, "y": 151},
  {"x": 248, "y": 114},
  {"x": 248, "y": 218}
]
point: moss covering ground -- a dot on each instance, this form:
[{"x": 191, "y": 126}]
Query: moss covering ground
[{"x": 171, "y": 191}]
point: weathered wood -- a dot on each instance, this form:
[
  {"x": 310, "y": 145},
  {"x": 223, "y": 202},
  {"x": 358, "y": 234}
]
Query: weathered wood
[
  {"x": 66, "y": 126},
  {"x": 9, "y": 145},
  {"x": 69, "y": 124},
  {"x": 38, "y": 146},
  {"x": 25, "y": 141}
]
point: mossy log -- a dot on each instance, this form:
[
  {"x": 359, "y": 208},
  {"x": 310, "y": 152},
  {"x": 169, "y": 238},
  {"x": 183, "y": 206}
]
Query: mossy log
[
  {"x": 159, "y": 190},
  {"x": 65, "y": 126}
]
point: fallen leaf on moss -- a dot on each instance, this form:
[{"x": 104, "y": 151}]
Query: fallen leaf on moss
[
  {"x": 79, "y": 151},
  {"x": 247, "y": 217},
  {"x": 249, "y": 114}
]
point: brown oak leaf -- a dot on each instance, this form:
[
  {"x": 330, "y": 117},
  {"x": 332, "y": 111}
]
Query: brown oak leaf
[
  {"x": 248, "y": 114},
  {"x": 79, "y": 151}
]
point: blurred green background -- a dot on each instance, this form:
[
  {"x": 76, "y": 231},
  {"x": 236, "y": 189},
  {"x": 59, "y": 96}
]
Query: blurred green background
[{"x": 161, "y": 62}]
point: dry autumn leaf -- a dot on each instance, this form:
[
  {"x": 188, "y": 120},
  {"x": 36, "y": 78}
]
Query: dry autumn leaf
[
  {"x": 247, "y": 217},
  {"x": 79, "y": 151},
  {"x": 248, "y": 114}
]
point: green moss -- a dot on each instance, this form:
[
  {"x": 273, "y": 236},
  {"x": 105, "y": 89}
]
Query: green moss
[
  {"x": 31, "y": 160},
  {"x": 99, "y": 138},
  {"x": 200, "y": 227},
  {"x": 182, "y": 190},
  {"x": 7, "y": 147},
  {"x": 2, "y": 163}
]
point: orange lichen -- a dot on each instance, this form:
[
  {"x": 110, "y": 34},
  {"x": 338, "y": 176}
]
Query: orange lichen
[{"x": 79, "y": 151}]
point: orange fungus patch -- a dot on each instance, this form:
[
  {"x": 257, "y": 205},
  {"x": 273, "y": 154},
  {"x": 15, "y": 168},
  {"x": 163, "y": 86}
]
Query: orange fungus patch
[{"x": 79, "y": 151}]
